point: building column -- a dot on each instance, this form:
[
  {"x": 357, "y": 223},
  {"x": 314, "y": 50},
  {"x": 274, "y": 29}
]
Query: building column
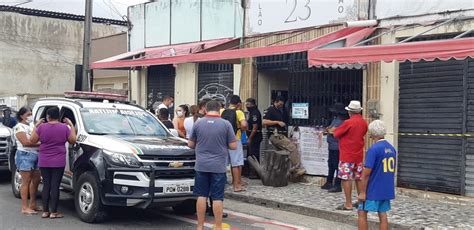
[
  {"x": 138, "y": 87},
  {"x": 186, "y": 84}
]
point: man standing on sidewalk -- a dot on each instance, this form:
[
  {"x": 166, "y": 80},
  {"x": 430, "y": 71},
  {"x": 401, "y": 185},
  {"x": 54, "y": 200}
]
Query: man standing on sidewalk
[
  {"x": 255, "y": 128},
  {"x": 378, "y": 177},
  {"x": 351, "y": 136},
  {"x": 236, "y": 117},
  {"x": 275, "y": 119},
  {"x": 333, "y": 147},
  {"x": 212, "y": 137}
]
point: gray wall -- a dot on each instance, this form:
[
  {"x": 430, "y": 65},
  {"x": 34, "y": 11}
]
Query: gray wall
[
  {"x": 168, "y": 22},
  {"x": 38, "y": 54}
]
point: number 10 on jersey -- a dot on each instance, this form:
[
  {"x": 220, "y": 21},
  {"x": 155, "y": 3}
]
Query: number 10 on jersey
[{"x": 389, "y": 164}]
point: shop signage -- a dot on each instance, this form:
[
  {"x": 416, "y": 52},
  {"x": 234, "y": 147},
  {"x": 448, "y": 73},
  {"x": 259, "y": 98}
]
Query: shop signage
[
  {"x": 407, "y": 8},
  {"x": 265, "y": 16},
  {"x": 300, "y": 110},
  {"x": 313, "y": 148}
]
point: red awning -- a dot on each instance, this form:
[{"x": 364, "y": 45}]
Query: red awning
[
  {"x": 168, "y": 51},
  {"x": 413, "y": 51},
  {"x": 348, "y": 35}
]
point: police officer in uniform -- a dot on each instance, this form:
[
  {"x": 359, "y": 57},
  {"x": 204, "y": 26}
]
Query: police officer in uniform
[
  {"x": 254, "y": 132},
  {"x": 276, "y": 120}
]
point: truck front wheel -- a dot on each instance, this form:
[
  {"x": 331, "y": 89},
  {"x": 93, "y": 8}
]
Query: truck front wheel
[{"x": 87, "y": 199}]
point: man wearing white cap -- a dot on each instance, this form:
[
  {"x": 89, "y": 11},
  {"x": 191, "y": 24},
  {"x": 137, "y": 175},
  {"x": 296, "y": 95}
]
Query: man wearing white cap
[{"x": 351, "y": 136}]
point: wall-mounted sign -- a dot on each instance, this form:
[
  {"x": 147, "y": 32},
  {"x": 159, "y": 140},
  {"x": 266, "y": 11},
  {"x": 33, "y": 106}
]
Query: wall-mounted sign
[
  {"x": 266, "y": 16},
  {"x": 300, "y": 110}
]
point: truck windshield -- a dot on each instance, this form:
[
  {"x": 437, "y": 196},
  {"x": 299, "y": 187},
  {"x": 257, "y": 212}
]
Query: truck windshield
[{"x": 121, "y": 122}]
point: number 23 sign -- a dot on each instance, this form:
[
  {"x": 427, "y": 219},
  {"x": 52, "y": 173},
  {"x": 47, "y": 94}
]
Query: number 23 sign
[{"x": 266, "y": 16}]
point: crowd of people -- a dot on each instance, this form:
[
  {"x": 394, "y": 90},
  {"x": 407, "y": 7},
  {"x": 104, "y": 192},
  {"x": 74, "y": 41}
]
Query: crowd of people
[
  {"x": 218, "y": 144},
  {"x": 41, "y": 153},
  {"x": 373, "y": 176},
  {"x": 216, "y": 132}
]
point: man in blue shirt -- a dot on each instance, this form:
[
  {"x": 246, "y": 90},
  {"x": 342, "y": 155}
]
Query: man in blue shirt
[
  {"x": 378, "y": 177},
  {"x": 212, "y": 137}
]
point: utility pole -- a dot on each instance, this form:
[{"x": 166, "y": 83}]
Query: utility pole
[{"x": 87, "y": 47}]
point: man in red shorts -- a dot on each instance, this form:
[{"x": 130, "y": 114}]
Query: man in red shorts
[{"x": 351, "y": 136}]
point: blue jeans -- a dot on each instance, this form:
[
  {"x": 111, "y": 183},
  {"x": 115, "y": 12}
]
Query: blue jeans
[
  {"x": 208, "y": 184},
  {"x": 26, "y": 161},
  {"x": 333, "y": 164}
]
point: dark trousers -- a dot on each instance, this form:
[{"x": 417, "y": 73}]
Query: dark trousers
[
  {"x": 254, "y": 149},
  {"x": 51, "y": 182},
  {"x": 333, "y": 165}
]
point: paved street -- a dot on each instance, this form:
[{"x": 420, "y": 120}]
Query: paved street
[{"x": 242, "y": 216}]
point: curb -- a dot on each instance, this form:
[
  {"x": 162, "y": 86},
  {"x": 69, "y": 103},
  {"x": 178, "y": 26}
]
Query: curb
[
  {"x": 414, "y": 193},
  {"x": 313, "y": 212}
]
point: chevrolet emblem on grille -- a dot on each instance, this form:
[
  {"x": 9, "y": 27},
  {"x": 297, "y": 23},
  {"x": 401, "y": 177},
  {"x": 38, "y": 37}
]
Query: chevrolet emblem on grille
[{"x": 176, "y": 164}]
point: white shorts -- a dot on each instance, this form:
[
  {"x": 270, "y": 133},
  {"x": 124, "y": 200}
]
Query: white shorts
[{"x": 237, "y": 156}]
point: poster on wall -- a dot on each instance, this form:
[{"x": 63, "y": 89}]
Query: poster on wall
[
  {"x": 300, "y": 110},
  {"x": 313, "y": 148},
  {"x": 265, "y": 16}
]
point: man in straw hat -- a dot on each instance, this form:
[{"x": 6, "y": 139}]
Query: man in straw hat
[{"x": 351, "y": 146}]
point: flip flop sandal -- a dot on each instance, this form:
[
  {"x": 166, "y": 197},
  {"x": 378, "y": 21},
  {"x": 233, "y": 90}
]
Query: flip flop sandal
[
  {"x": 29, "y": 213},
  {"x": 45, "y": 215},
  {"x": 241, "y": 190},
  {"x": 38, "y": 209},
  {"x": 56, "y": 216},
  {"x": 343, "y": 208}
]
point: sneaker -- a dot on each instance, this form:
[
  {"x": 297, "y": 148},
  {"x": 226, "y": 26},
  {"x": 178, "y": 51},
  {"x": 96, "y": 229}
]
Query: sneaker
[
  {"x": 335, "y": 190},
  {"x": 326, "y": 186}
]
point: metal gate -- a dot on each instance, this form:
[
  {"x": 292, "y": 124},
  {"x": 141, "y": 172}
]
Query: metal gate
[
  {"x": 433, "y": 102},
  {"x": 215, "y": 81},
  {"x": 320, "y": 87},
  {"x": 160, "y": 83}
]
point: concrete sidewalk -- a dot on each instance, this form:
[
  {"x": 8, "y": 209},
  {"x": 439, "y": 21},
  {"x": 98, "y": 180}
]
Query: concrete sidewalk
[{"x": 410, "y": 209}]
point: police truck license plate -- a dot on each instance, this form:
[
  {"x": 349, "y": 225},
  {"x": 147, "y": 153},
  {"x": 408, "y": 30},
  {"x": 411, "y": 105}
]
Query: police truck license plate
[{"x": 178, "y": 188}]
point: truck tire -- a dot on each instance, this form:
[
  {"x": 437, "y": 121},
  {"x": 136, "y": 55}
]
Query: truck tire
[
  {"x": 15, "y": 181},
  {"x": 87, "y": 199},
  {"x": 187, "y": 207}
]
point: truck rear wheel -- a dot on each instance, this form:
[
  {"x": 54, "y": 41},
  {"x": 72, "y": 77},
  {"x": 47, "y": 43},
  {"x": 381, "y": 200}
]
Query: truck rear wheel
[
  {"x": 187, "y": 207},
  {"x": 87, "y": 199}
]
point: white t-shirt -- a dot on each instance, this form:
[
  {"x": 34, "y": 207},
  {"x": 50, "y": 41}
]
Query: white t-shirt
[
  {"x": 162, "y": 106},
  {"x": 27, "y": 129},
  {"x": 188, "y": 126}
]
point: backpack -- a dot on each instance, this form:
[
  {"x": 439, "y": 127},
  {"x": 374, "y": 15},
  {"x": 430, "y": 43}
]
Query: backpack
[{"x": 231, "y": 116}]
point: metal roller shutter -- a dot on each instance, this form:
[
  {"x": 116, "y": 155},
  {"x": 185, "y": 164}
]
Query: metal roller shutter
[
  {"x": 469, "y": 167},
  {"x": 216, "y": 81},
  {"x": 160, "y": 82},
  {"x": 431, "y": 101}
]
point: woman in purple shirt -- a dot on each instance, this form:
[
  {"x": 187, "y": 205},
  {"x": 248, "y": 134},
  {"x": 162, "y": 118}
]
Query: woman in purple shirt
[{"x": 53, "y": 136}]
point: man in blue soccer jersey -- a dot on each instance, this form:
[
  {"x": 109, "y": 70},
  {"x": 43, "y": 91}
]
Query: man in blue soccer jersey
[{"x": 378, "y": 177}]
